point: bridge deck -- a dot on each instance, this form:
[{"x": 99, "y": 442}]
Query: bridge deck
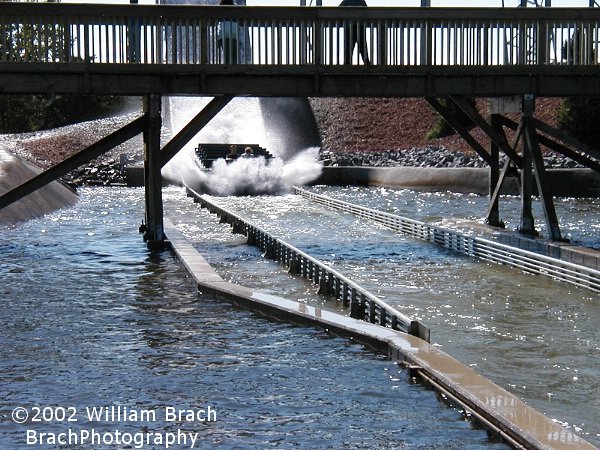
[{"x": 298, "y": 51}]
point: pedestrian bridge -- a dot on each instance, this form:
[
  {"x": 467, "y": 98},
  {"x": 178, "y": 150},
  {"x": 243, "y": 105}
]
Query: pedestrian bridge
[
  {"x": 434, "y": 53},
  {"x": 298, "y": 51}
]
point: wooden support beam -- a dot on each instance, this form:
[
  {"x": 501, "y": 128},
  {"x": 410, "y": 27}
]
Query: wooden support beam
[
  {"x": 527, "y": 225},
  {"x": 518, "y": 133},
  {"x": 193, "y": 127},
  {"x": 553, "y": 145},
  {"x": 532, "y": 159},
  {"x": 496, "y": 194},
  {"x": 498, "y": 139},
  {"x": 154, "y": 229},
  {"x": 527, "y": 222},
  {"x": 569, "y": 153},
  {"x": 564, "y": 137},
  {"x": 461, "y": 130},
  {"x": 93, "y": 151},
  {"x": 493, "y": 214},
  {"x": 542, "y": 184}
]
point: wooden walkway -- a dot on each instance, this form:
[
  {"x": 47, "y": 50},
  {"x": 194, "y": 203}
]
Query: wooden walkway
[{"x": 298, "y": 51}]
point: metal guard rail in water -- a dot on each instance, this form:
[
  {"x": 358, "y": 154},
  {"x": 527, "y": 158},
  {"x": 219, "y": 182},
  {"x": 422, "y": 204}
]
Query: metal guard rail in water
[
  {"x": 488, "y": 250},
  {"x": 363, "y": 305}
]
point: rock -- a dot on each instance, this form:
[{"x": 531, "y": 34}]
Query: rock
[{"x": 429, "y": 156}]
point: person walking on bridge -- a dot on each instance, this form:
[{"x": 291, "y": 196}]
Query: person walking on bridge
[
  {"x": 228, "y": 36},
  {"x": 355, "y": 35}
]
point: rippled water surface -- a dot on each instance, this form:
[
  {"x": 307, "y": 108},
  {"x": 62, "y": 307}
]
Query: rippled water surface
[
  {"x": 577, "y": 216},
  {"x": 533, "y": 336},
  {"x": 90, "y": 319}
]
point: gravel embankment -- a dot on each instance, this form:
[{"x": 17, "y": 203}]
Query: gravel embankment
[
  {"x": 391, "y": 132},
  {"x": 428, "y": 156},
  {"x": 49, "y": 147},
  {"x": 355, "y": 132}
]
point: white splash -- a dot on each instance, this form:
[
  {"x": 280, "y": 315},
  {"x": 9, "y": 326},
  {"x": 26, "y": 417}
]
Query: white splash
[
  {"x": 239, "y": 123},
  {"x": 256, "y": 176}
]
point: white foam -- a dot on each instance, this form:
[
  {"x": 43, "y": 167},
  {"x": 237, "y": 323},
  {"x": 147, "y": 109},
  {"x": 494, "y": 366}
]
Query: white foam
[
  {"x": 239, "y": 123},
  {"x": 255, "y": 176}
]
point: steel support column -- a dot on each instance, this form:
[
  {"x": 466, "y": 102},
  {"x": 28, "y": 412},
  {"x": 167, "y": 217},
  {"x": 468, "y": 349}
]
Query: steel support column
[{"x": 154, "y": 230}]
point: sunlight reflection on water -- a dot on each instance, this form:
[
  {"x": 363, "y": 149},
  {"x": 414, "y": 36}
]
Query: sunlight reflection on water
[
  {"x": 506, "y": 323},
  {"x": 92, "y": 319}
]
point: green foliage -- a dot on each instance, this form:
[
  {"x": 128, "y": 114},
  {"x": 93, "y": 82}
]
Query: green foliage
[
  {"x": 579, "y": 117},
  {"x": 441, "y": 128},
  {"x": 44, "y": 42},
  {"x": 579, "y": 48},
  {"x": 25, "y": 42},
  {"x": 23, "y": 113}
]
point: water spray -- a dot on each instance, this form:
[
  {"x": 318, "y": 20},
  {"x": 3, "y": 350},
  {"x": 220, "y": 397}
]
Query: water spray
[{"x": 240, "y": 122}]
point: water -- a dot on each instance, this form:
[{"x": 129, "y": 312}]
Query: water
[
  {"x": 535, "y": 337},
  {"x": 575, "y": 215},
  {"x": 90, "y": 318}
]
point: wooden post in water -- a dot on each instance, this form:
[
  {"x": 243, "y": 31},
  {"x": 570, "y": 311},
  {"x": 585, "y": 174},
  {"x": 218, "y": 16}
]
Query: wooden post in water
[
  {"x": 493, "y": 217},
  {"x": 527, "y": 223},
  {"x": 154, "y": 231},
  {"x": 533, "y": 169}
]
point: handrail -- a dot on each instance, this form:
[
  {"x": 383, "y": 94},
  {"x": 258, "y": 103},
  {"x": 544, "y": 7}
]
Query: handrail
[
  {"x": 363, "y": 304},
  {"x": 298, "y": 36},
  {"x": 535, "y": 263}
]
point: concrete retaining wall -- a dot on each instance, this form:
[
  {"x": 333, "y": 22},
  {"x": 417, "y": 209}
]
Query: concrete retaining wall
[{"x": 563, "y": 182}]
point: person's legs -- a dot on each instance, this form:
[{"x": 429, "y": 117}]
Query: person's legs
[
  {"x": 230, "y": 51},
  {"x": 362, "y": 46},
  {"x": 350, "y": 41},
  {"x": 348, "y": 45}
]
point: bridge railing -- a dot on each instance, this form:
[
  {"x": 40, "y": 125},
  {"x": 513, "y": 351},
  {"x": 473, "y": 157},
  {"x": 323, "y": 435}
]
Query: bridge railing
[{"x": 296, "y": 36}]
